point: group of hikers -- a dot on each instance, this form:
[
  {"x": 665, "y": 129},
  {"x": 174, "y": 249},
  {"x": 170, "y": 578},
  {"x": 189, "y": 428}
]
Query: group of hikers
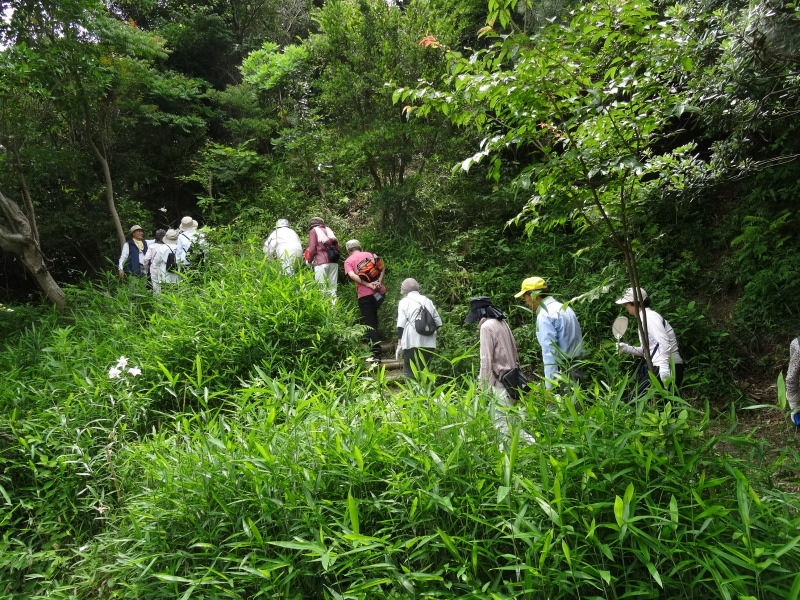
[
  {"x": 558, "y": 330},
  {"x": 366, "y": 270},
  {"x": 163, "y": 259}
]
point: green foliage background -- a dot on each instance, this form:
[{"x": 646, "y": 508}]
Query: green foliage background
[{"x": 254, "y": 456}]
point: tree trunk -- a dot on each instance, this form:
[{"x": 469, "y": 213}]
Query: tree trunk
[
  {"x": 16, "y": 236},
  {"x": 112, "y": 207},
  {"x": 641, "y": 322},
  {"x": 26, "y": 192}
]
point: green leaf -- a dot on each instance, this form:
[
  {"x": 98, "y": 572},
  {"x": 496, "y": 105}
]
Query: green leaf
[
  {"x": 448, "y": 542},
  {"x": 654, "y": 573},
  {"x": 619, "y": 510},
  {"x": 352, "y": 509}
]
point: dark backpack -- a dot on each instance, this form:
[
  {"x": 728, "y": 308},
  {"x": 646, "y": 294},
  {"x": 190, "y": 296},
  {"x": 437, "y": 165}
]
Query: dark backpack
[
  {"x": 332, "y": 250},
  {"x": 515, "y": 383},
  {"x": 424, "y": 322},
  {"x": 370, "y": 268},
  {"x": 172, "y": 264}
]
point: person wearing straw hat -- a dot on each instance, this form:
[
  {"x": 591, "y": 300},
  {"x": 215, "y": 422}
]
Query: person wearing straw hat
[
  {"x": 284, "y": 244},
  {"x": 131, "y": 259},
  {"x": 558, "y": 331},
  {"x": 498, "y": 352},
  {"x": 161, "y": 262},
  {"x": 662, "y": 341},
  {"x": 188, "y": 237}
]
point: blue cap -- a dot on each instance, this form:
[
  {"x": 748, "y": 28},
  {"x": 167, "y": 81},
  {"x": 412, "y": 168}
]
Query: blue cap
[{"x": 796, "y": 418}]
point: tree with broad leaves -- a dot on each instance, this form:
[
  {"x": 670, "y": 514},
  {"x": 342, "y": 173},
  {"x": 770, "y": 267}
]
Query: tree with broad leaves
[{"x": 584, "y": 114}]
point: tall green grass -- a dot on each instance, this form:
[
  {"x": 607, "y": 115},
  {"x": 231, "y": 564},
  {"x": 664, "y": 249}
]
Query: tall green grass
[
  {"x": 290, "y": 491},
  {"x": 255, "y": 457}
]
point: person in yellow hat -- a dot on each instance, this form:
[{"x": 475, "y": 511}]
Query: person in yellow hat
[{"x": 557, "y": 330}]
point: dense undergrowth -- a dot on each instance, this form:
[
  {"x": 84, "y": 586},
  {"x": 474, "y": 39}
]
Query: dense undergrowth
[{"x": 253, "y": 456}]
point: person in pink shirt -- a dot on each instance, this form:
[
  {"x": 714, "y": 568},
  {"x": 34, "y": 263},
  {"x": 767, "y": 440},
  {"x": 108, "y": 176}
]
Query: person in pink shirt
[
  {"x": 326, "y": 271},
  {"x": 370, "y": 293}
]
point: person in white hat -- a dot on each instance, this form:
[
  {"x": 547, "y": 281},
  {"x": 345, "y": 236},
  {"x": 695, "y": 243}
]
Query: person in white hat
[
  {"x": 661, "y": 337},
  {"x": 187, "y": 235},
  {"x": 284, "y": 244},
  {"x": 131, "y": 259},
  {"x": 558, "y": 331},
  {"x": 165, "y": 263}
]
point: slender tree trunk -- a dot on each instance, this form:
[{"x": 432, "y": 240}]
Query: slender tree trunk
[
  {"x": 112, "y": 207},
  {"x": 26, "y": 192},
  {"x": 641, "y": 322},
  {"x": 16, "y": 236}
]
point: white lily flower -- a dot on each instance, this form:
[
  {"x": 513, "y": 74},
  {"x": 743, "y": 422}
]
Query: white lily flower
[
  {"x": 122, "y": 362},
  {"x": 135, "y": 371},
  {"x": 114, "y": 372}
]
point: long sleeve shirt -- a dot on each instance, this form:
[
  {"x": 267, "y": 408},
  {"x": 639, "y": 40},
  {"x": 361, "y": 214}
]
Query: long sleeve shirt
[
  {"x": 148, "y": 258},
  {"x": 159, "y": 266},
  {"x": 793, "y": 376},
  {"x": 407, "y": 310},
  {"x": 185, "y": 241},
  {"x": 559, "y": 335},
  {"x": 282, "y": 243},
  {"x": 316, "y": 247},
  {"x": 663, "y": 343},
  {"x": 498, "y": 351}
]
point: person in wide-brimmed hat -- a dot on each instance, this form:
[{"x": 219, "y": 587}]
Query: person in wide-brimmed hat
[
  {"x": 498, "y": 352},
  {"x": 166, "y": 267},
  {"x": 131, "y": 259},
  {"x": 558, "y": 331},
  {"x": 661, "y": 340},
  {"x": 187, "y": 236}
]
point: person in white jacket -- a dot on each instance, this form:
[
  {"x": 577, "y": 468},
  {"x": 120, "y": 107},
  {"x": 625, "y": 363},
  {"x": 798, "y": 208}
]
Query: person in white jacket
[
  {"x": 415, "y": 348},
  {"x": 284, "y": 244},
  {"x": 793, "y": 380},
  {"x": 152, "y": 248},
  {"x": 158, "y": 270},
  {"x": 662, "y": 341}
]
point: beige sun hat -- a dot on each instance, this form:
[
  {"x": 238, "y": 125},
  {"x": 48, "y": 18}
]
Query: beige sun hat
[
  {"x": 627, "y": 297},
  {"x": 188, "y": 223}
]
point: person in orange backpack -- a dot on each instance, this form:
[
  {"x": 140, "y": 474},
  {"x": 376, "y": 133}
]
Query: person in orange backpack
[{"x": 362, "y": 268}]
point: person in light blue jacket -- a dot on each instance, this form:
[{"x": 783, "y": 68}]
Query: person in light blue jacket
[{"x": 557, "y": 330}]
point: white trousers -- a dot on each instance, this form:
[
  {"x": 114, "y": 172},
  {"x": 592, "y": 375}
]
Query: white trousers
[
  {"x": 327, "y": 276},
  {"x": 501, "y": 409}
]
